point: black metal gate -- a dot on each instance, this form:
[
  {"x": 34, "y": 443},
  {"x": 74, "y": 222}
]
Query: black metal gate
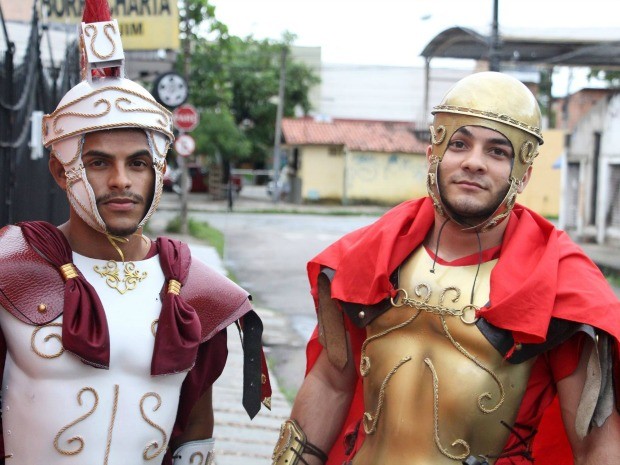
[{"x": 27, "y": 190}]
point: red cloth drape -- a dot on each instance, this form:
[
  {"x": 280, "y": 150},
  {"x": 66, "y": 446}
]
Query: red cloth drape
[
  {"x": 84, "y": 325},
  {"x": 178, "y": 329}
]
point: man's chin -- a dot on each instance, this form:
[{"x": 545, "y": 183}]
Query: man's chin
[
  {"x": 122, "y": 231},
  {"x": 470, "y": 215}
]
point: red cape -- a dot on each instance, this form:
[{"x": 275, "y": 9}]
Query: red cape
[{"x": 541, "y": 273}]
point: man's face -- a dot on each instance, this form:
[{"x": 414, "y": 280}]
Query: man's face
[
  {"x": 474, "y": 172},
  {"x": 119, "y": 167}
]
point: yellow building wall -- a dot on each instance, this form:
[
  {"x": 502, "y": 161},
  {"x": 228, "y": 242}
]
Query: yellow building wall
[
  {"x": 385, "y": 178},
  {"x": 322, "y": 174},
  {"x": 542, "y": 193},
  {"x": 357, "y": 177}
]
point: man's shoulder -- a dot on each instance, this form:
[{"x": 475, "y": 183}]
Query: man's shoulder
[
  {"x": 31, "y": 287},
  {"x": 218, "y": 301}
]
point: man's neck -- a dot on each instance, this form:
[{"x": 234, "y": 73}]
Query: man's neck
[
  {"x": 456, "y": 243},
  {"x": 84, "y": 240}
]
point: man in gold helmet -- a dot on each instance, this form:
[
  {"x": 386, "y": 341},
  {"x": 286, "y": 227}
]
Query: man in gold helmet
[{"x": 448, "y": 329}]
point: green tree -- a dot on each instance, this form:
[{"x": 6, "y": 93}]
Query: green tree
[
  {"x": 234, "y": 83},
  {"x": 611, "y": 76}
]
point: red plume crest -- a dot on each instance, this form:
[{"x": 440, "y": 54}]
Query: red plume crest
[{"x": 96, "y": 11}]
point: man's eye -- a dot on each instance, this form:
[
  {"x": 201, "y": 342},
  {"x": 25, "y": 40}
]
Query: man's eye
[{"x": 500, "y": 153}]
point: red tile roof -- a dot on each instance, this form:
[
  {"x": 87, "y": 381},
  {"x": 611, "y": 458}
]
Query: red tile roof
[{"x": 358, "y": 135}]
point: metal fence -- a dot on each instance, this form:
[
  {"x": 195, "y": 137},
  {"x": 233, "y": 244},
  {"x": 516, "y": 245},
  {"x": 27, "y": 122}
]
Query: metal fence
[{"x": 27, "y": 190}]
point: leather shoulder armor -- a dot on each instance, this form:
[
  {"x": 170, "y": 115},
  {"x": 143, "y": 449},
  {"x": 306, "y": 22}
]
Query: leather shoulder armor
[
  {"x": 217, "y": 300},
  {"x": 31, "y": 288}
]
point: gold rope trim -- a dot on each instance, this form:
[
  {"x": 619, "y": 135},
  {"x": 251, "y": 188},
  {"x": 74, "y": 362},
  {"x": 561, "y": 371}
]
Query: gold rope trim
[
  {"x": 79, "y": 439},
  {"x": 111, "y": 427},
  {"x": 47, "y": 338},
  {"x": 106, "y": 32},
  {"x": 484, "y": 395},
  {"x": 174, "y": 287},
  {"x": 68, "y": 271},
  {"x": 500, "y": 118},
  {"x": 153, "y": 444},
  {"x": 82, "y": 115},
  {"x": 374, "y": 419},
  {"x": 460, "y": 442}
]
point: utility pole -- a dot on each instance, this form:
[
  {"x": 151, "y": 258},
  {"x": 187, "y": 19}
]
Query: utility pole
[
  {"x": 494, "y": 52},
  {"x": 278, "y": 132},
  {"x": 181, "y": 159}
]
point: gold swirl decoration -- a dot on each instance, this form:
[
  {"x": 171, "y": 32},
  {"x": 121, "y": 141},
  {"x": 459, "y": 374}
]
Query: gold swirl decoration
[
  {"x": 457, "y": 442},
  {"x": 106, "y": 30},
  {"x": 78, "y": 114},
  {"x": 164, "y": 118},
  {"x": 438, "y": 135},
  {"x": 147, "y": 454},
  {"x": 47, "y": 338},
  {"x": 370, "y": 421},
  {"x": 111, "y": 273},
  {"x": 527, "y": 153},
  {"x": 78, "y": 439}
]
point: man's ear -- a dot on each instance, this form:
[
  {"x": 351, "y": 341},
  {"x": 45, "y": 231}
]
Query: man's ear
[
  {"x": 525, "y": 179},
  {"x": 58, "y": 172},
  {"x": 429, "y": 152}
]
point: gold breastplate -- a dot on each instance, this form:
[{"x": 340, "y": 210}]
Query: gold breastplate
[{"x": 435, "y": 390}]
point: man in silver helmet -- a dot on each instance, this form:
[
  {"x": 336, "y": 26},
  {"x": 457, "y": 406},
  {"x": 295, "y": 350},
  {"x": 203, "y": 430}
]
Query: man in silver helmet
[
  {"x": 456, "y": 328},
  {"x": 111, "y": 341}
]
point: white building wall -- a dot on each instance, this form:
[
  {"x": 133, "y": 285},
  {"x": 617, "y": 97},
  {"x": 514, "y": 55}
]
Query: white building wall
[
  {"x": 581, "y": 151},
  {"x": 608, "y": 214},
  {"x": 382, "y": 92}
]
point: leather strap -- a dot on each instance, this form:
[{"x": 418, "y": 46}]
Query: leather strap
[
  {"x": 332, "y": 333},
  {"x": 252, "y": 360}
]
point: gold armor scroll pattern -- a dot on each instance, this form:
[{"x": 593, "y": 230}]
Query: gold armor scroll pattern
[
  {"x": 78, "y": 439},
  {"x": 460, "y": 442},
  {"x": 57, "y": 337},
  {"x": 147, "y": 454}
]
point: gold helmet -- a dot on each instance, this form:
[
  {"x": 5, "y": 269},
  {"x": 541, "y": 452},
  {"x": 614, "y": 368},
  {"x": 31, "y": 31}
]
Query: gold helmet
[{"x": 498, "y": 102}]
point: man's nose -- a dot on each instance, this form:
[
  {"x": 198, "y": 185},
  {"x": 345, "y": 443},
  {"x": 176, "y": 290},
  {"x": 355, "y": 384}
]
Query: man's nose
[
  {"x": 474, "y": 160},
  {"x": 120, "y": 178}
]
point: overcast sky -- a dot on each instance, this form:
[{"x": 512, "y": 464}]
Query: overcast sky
[{"x": 394, "y": 32}]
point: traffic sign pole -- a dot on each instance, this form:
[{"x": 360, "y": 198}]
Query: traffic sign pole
[{"x": 185, "y": 119}]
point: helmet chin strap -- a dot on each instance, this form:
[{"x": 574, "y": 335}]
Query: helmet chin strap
[{"x": 113, "y": 240}]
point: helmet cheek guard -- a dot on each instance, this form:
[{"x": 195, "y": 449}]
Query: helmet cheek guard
[{"x": 494, "y": 101}]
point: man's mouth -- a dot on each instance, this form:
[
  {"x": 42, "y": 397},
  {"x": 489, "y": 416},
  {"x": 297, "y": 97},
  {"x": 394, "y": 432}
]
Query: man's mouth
[{"x": 120, "y": 201}]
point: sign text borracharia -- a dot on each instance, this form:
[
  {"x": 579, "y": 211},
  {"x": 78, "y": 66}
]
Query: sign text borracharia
[{"x": 144, "y": 24}]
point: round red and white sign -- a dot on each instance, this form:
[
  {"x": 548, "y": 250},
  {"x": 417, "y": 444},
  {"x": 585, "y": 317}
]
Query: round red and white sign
[
  {"x": 185, "y": 117},
  {"x": 185, "y": 145}
]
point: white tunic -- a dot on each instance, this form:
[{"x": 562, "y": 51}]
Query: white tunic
[{"x": 57, "y": 410}]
